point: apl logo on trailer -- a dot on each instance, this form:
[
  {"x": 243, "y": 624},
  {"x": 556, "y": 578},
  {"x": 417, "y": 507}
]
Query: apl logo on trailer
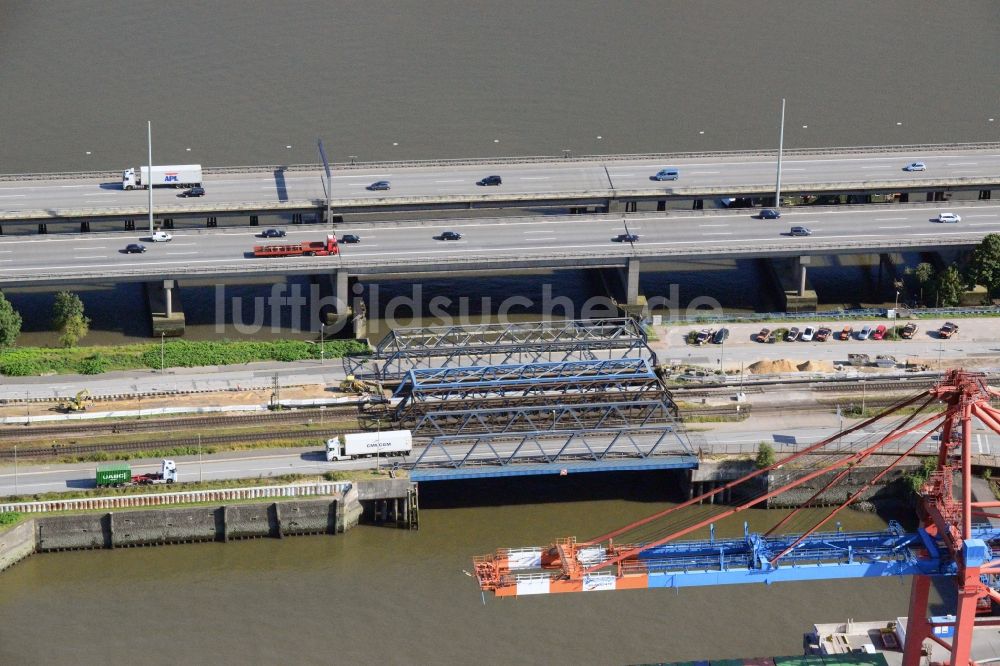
[{"x": 171, "y": 177}]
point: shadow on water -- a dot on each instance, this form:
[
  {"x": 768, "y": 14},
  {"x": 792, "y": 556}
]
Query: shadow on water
[{"x": 651, "y": 487}]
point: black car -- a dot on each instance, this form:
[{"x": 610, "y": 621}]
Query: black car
[
  {"x": 626, "y": 238},
  {"x": 350, "y": 238},
  {"x": 800, "y": 231},
  {"x": 135, "y": 248},
  {"x": 720, "y": 336},
  {"x": 273, "y": 233},
  {"x": 193, "y": 192},
  {"x": 770, "y": 214},
  {"x": 491, "y": 180},
  {"x": 378, "y": 185},
  {"x": 450, "y": 235}
]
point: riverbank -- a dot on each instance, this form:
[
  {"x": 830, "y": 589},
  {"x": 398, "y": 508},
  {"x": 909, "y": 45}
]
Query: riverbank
[{"x": 198, "y": 516}]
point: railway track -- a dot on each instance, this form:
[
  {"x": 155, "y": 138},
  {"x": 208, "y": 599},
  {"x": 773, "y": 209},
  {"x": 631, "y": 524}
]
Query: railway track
[
  {"x": 152, "y": 445},
  {"x": 109, "y": 427}
]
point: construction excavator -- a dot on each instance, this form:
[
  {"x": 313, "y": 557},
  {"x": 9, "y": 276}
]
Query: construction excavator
[
  {"x": 366, "y": 389},
  {"x": 76, "y": 404}
]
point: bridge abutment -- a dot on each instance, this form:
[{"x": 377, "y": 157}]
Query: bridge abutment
[
  {"x": 165, "y": 308},
  {"x": 792, "y": 280}
]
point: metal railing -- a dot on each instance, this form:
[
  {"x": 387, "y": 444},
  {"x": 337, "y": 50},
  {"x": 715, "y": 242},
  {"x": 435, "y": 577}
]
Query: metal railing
[{"x": 188, "y": 497}]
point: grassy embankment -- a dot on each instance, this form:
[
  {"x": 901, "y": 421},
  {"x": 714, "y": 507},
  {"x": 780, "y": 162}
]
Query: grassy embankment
[{"x": 30, "y": 361}]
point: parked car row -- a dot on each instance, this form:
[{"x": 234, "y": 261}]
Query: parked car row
[
  {"x": 706, "y": 335},
  {"x": 867, "y": 332}
]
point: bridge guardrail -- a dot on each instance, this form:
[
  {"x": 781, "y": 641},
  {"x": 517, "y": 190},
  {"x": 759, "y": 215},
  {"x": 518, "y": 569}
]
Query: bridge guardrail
[
  {"x": 860, "y": 313},
  {"x": 538, "y": 159}
]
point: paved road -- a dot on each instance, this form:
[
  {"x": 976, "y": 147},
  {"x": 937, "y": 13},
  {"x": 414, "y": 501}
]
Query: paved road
[
  {"x": 543, "y": 241},
  {"x": 732, "y": 438},
  {"x": 558, "y": 177}
]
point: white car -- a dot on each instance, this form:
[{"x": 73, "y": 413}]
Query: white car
[
  {"x": 915, "y": 166},
  {"x": 865, "y": 333},
  {"x": 807, "y": 334},
  {"x": 161, "y": 237},
  {"x": 949, "y": 217}
]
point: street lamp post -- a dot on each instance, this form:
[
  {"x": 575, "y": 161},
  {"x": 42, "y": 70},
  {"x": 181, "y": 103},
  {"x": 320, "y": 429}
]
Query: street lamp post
[
  {"x": 322, "y": 342},
  {"x": 378, "y": 442},
  {"x": 163, "y": 343},
  {"x": 201, "y": 471},
  {"x": 781, "y": 147},
  {"x": 895, "y": 305},
  {"x": 15, "y": 469}
]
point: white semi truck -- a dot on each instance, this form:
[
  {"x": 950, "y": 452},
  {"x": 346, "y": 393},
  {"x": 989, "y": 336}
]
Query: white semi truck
[
  {"x": 368, "y": 444},
  {"x": 171, "y": 175}
]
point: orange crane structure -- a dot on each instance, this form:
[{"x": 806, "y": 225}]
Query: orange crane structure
[{"x": 955, "y": 540}]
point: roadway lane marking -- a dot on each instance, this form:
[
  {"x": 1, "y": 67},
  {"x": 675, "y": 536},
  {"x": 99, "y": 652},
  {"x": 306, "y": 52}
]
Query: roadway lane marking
[
  {"x": 961, "y": 163},
  {"x": 991, "y": 215},
  {"x": 457, "y": 180},
  {"x": 534, "y": 178},
  {"x": 6, "y": 251},
  {"x": 362, "y": 175},
  {"x": 903, "y": 226},
  {"x": 706, "y": 226},
  {"x": 887, "y": 166},
  {"x": 74, "y": 186},
  {"x": 177, "y": 254},
  {"x": 890, "y": 219},
  {"x": 982, "y": 224},
  {"x": 718, "y": 233},
  {"x": 787, "y": 169},
  {"x": 11, "y": 196},
  {"x": 541, "y": 232},
  {"x": 92, "y": 256},
  {"x": 965, "y": 171},
  {"x": 548, "y": 238},
  {"x": 101, "y": 194},
  {"x": 704, "y": 173}
]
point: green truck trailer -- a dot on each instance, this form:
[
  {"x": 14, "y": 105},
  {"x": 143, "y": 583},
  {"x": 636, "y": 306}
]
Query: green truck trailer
[{"x": 113, "y": 474}]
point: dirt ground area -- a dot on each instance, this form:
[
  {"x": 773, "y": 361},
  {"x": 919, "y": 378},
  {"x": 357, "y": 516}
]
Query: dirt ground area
[{"x": 213, "y": 399}]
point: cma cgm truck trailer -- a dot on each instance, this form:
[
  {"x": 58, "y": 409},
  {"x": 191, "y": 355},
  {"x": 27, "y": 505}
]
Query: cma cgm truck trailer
[
  {"x": 366, "y": 444},
  {"x": 171, "y": 175}
]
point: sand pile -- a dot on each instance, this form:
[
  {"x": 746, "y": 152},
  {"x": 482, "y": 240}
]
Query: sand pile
[
  {"x": 816, "y": 366},
  {"x": 772, "y": 367}
]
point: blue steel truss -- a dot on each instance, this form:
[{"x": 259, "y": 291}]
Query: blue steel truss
[
  {"x": 406, "y": 349},
  {"x": 529, "y": 383},
  {"x": 552, "y": 447},
  {"x": 538, "y": 418}
]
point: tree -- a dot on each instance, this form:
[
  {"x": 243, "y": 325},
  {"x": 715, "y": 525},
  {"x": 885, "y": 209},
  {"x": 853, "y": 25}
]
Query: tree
[
  {"x": 68, "y": 318},
  {"x": 949, "y": 287},
  {"x": 984, "y": 268},
  {"x": 924, "y": 273},
  {"x": 10, "y": 322},
  {"x": 765, "y": 455}
]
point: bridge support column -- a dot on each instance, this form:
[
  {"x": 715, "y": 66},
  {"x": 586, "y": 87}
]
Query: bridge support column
[
  {"x": 803, "y": 262},
  {"x": 661, "y": 206},
  {"x": 254, "y": 220},
  {"x": 698, "y": 204},
  {"x": 340, "y": 292},
  {"x": 985, "y": 194},
  {"x": 918, "y": 629},
  {"x": 904, "y": 197},
  {"x": 614, "y": 206},
  {"x": 168, "y": 301},
  {"x": 632, "y": 283},
  {"x": 631, "y": 206}
]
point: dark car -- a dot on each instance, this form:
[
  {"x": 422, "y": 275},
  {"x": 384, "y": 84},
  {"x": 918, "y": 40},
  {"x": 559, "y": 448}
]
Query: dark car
[
  {"x": 792, "y": 335},
  {"x": 450, "y": 235},
  {"x": 769, "y": 214},
  {"x": 823, "y": 334},
  {"x": 799, "y": 231},
  {"x": 626, "y": 238},
  {"x": 193, "y": 192},
  {"x": 379, "y": 185},
  {"x": 350, "y": 238},
  {"x": 491, "y": 180},
  {"x": 720, "y": 336},
  {"x": 273, "y": 233},
  {"x": 135, "y": 248}
]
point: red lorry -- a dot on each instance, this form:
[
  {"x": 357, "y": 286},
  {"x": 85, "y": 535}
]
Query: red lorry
[{"x": 303, "y": 249}]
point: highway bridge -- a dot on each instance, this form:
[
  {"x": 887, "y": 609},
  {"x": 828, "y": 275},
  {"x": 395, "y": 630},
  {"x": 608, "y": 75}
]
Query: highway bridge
[
  {"x": 609, "y": 183},
  {"x": 394, "y": 249}
]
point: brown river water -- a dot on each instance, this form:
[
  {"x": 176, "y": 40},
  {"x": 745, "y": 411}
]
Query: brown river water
[{"x": 232, "y": 82}]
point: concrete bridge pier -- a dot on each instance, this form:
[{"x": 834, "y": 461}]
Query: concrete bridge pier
[
  {"x": 632, "y": 282},
  {"x": 935, "y": 196},
  {"x": 165, "y": 309},
  {"x": 614, "y": 206},
  {"x": 661, "y": 206},
  {"x": 793, "y": 282},
  {"x": 985, "y": 195},
  {"x": 698, "y": 204},
  {"x": 904, "y": 197},
  {"x": 340, "y": 291}
]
